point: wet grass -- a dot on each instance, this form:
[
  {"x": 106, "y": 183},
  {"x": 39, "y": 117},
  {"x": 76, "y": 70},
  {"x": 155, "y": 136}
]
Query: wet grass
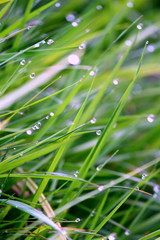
[{"x": 79, "y": 145}]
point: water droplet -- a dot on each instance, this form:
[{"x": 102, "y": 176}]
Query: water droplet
[
  {"x": 50, "y": 41},
  {"x": 76, "y": 174},
  {"x": 150, "y": 48},
  {"x": 74, "y": 24},
  {"x": 0, "y": 192},
  {"x": 32, "y": 75},
  {"x": 51, "y": 114},
  {"x": 43, "y": 42},
  {"x": 115, "y": 125},
  {"x": 78, "y": 20},
  {"x": 22, "y": 62},
  {"x": 73, "y": 59},
  {"x": 77, "y": 220},
  {"x": 144, "y": 175},
  {"x": 150, "y": 118},
  {"x": 21, "y": 154},
  {"x": 92, "y": 73},
  {"x": 99, "y": 7},
  {"x": 93, "y": 213},
  {"x": 87, "y": 30},
  {"x": 127, "y": 232},
  {"x": 47, "y": 117},
  {"x": 139, "y": 26},
  {"x": 130, "y": 4},
  {"x": 36, "y": 126},
  {"x": 128, "y": 43},
  {"x": 14, "y": 148},
  {"x": 100, "y": 188},
  {"x": 137, "y": 188},
  {"x": 116, "y": 81},
  {"x": 70, "y": 17},
  {"x": 39, "y": 123},
  {"x": 112, "y": 236},
  {"x": 82, "y": 45},
  {"x": 33, "y": 128},
  {"x": 156, "y": 188},
  {"x": 98, "y": 168},
  {"x": 93, "y": 120},
  {"x": 36, "y": 45},
  {"x": 57, "y": 4},
  {"x": 29, "y": 132},
  {"x": 99, "y": 132}
]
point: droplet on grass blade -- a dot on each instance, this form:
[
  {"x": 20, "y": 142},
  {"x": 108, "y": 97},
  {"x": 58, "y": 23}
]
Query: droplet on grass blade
[
  {"x": 116, "y": 81},
  {"x": 99, "y": 7},
  {"x": 87, "y": 30},
  {"x": 50, "y": 41},
  {"x": 32, "y": 75},
  {"x": 137, "y": 188},
  {"x": 47, "y": 117},
  {"x": 100, "y": 188},
  {"x": 150, "y": 118},
  {"x": 99, "y": 132},
  {"x": 82, "y": 46},
  {"x": 128, "y": 43},
  {"x": 76, "y": 174},
  {"x": 57, "y": 5},
  {"x": 73, "y": 59},
  {"x": 22, "y": 62},
  {"x": 77, "y": 220},
  {"x": 112, "y": 236},
  {"x": 74, "y": 24},
  {"x": 29, "y": 132},
  {"x": 140, "y": 26},
  {"x": 144, "y": 175},
  {"x": 127, "y": 232},
  {"x": 93, "y": 120},
  {"x": 92, "y": 73},
  {"x": 150, "y": 48},
  {"x": 0, "y": 192},
  {"x": 51, "y": 114}
]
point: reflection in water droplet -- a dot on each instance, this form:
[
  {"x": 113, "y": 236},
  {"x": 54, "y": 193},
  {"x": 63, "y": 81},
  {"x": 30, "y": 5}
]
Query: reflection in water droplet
[
  {"x": 73, "y": 59},
  {"x": 32, "y": 75},
  {"x": 144, "y": 175},
  {"x": 150, "y": 118},
  {"x": 22, "y": 62},
  {"x": 130, "y": 4},
  {"x": 29, "y": 132},
  {"x": 93, "y": 120},
  {"x": 77, "y": 220},
  {"x": 139, "y": 26},
  {"x": 92, "y": 73},
  {"x": 127, "y": 232},
  {"x": 99, "y": 132},
  {"x": 76, "y": 174},
  {"x": 116, "y": 81},
  {"x": 99, "y": 7},
  {"x": 50, "y": 41}
]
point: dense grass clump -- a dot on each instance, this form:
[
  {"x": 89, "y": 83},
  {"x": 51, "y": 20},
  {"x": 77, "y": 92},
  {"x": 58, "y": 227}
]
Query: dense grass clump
[{"x": 79, "y": 108}]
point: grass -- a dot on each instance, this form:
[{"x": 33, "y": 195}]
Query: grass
[{"x": 79, "y": 144}]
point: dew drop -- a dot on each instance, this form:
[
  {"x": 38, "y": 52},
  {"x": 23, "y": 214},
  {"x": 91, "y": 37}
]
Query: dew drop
[
  {"x": 29, "y": 132},
  {"x": 130, "y": 4},
  {"x": 112, "y": 236},
  {"x": 87, "y": 30},
  {"x": 128, "y": 43},
  {"x": 57, "y": 4},
  {"x": 70, "y": 17},
  {"x": 36, "y": 45},
  {"x": 33, "y": 128},
  {"x": 39, "y": 123},
  {"x": 139, "y": 26},
  {"x": 115, "y": 125},
  {"x": 51, "y": 114},
  {"x": 150, "y": 118},
  {"x": 92, "y": 73},
  {"x": 36, "y": 127},
  {"x": 98, "y": 132},
  {"x": 22, "y": 62},
  {"x": 127, "y": 232},
  {"x": 74, "y": 24},
  {"x": 82, "y": 46},
  {"x": 21, "y": 154},
  {"x": 77, "y": 220},
  {"x": 116, "y": 81},
  {"x": 144, "y": 175},
  {"x": 76, "y": 174},
  {"x": 93, "y": 120},
  {"x": 100, "y": 188},
  {"x": 14, "y": 148},
  {"x": 93, "y": 213},
  {"x": 47, "y": 117},
  {"x": 98, "y": 168},
  {"x": 32, "y": 75},
  {"x": 156, "y": 188},
  {"x": 99, "y": 7},
  {"x": 50, "y": 41},
  {"x": 137, "y": 188},
  {"x": 150, "y": 48},
  {"x": 0, "y": 192},
  {"x": 73, "y": 59}
]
